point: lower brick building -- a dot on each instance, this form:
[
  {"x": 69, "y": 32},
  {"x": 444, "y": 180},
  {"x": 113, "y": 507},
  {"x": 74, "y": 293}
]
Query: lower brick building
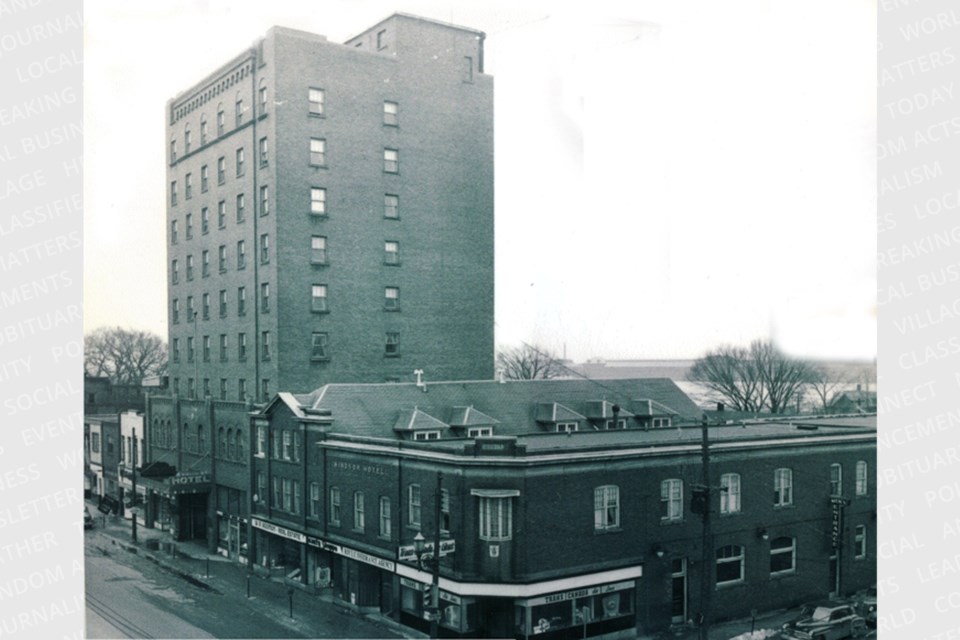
[{"x": 563, "y": 508}]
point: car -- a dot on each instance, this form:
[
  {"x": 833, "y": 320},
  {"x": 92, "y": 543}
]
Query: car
[
  {"x": 87, "y": 518},
  {"x": 826, "y": 620},
  {"x": 866, "y": 606}
]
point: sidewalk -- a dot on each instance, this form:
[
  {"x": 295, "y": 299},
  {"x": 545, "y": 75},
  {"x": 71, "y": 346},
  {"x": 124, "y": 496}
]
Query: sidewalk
[{"x": 191, "y": 561}]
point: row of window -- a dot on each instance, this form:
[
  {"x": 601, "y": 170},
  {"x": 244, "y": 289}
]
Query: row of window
[
  {"x": 319, "y": 350},
  {"x": 607, "y": 498},
  {"x": 318, "y": 255},
  {"x": 242, "y": 392},
  {"x": 316, "y": 107},
  {"x": 318, "y": 158},
  {"x": 621, "y": 423}
]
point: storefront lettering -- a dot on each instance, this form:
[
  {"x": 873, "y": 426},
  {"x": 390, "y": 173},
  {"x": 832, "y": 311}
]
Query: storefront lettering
[
  {"x": 361, "y": 468},
  {"x": 367, "y": 558},
  {"x": 580, "y": 593},
  {"x": 191, "y": 479},
  {"x": 283, "y": 532}
]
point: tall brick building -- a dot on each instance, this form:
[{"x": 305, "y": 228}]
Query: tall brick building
[{"x": 330, "y": 213}]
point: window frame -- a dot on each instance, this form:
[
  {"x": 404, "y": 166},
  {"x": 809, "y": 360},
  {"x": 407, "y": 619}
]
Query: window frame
[
  {"x": 836, "y": 480},
  {"x": 391, "y": 298},
  {"x": 671, "y": 500},
  {"x": 318, "y": 201},
  {"x": 385, "y": 528},
  {"x": 738, "y": 557},
  {"x": 495, "y": 521},
  {"x": 606, "y": 502},
  {"x": 391, "y": 206},
  {"x": 318, "y": 255},
  {"x": 860, "y": 542},
  {"x": 782, "y": 551},
  {"x": 319, "y": 300},
  {"x": 316, "y": 108},
  {"x": 391, "y": 117},
  {"x": 318, "y": 152},
  {"x": 862, "y": 484},
  {"x": 359, "y": 511},
  {"x": 321, "y": 351},
  {"x": 782, "y": 492},
  {"x": 730, "y": 503},
  {"x": 391, "y": 160},
  {"x": 392, "y": 344},
  {"x": 414, "y": 505}
]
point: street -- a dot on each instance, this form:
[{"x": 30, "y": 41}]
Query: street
[{"x": 129, "y": 596}]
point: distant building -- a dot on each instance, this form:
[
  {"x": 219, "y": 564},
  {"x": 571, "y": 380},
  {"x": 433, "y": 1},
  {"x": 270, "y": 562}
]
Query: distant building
[
  {"x": 857, "y": 401},
  {"x": 104, "y": 454},
  {"x": 330, "y": 213},
  {"x": 101, "y": 396}
]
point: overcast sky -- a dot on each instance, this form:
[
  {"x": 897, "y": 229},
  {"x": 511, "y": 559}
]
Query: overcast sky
[{"x": 670, "y": 176}]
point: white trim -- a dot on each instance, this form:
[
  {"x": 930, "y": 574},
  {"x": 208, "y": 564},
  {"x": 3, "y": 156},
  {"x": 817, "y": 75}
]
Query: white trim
[
  {"x": 495, "y": 493},
  {"x": 503, "y": 590}
]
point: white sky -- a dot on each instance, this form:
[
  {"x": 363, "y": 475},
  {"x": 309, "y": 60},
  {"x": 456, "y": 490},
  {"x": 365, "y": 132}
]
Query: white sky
[{"x": 670, "y": 176}]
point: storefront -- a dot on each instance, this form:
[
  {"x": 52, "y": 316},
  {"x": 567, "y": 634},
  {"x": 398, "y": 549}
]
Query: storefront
[
  {"x": 362, "y": 579},
  {"x": 606, "y": 610},
  {"x": 458, "y": 614},
  {"x": 179, "y": 503}
]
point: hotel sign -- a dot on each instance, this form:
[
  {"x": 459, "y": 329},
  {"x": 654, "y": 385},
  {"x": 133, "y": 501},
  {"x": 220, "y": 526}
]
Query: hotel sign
[{"x": 283, "y": 532}]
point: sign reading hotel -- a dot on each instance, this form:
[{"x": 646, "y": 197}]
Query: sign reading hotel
[{"x": 366, "y": 469}]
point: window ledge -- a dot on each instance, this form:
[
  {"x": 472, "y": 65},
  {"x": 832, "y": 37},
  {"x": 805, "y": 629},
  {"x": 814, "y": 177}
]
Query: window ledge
[
  {"x": 600, "y": 532},
  {"x": 672, "y": 521}
]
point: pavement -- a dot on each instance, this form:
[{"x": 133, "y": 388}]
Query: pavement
[{"x": 191, "y": 561}]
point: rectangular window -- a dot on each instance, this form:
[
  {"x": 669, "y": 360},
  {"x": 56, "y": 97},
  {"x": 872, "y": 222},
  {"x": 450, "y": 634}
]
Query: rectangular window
[
  {"x": 606, "y": 507},
  {"x": 782, "y": 487},
  {"x": 176, "y": 311},
  {"x": 174, "y": 226},
  {"x": 391, "y": 299},
  {"x": 567, "y": 427},
  {"x": 391, "y": 113},
  {"x": 391, "y": 206},
  {"x": 496, "y": 518},
  {"x": 671, "y": 499},
  {"x": 318, "y": 350},
  {"x": 444, "y": 511},
  {"x": 175, "y": 349},
  {"x": 730, "y": 493},
  {"x": 205, "y": 263},
  {"x": 467, "y": 69},
  {"x": 479, "y": 432},
  {"x": 391, "y": 161},
  {"x": 381, "y": 39},
  {"x": 265, "y": 345},
  {"x": 729, "y": 564},
  {"x": 241, "y": 255},
  {"x": 318, "y": 298},
  {"x": 391, "y": 252},
  {"x": 860, "y": 542},
  {"x": 262, "y": 97},
  {"x": 783, "y": 556},
  {"x": 189, "y": 267},
  {"x": 265, "y": 297},
  {"x": 174, "y": 272},
  {"x": 263, "y": 152},
  {"x": 315, "y": 97},
  {"x": 385, "y": 524},
  {"x": 288, "y": 494},
  {"x": 861, "y": 485},
  {"x": 287, "y": 440},
  {"x": 239, "y": 162},
  {"x": 836, "y": 480},
  {"x": 203, "y": 131},
  {"x": 189, "y": 225},
  {"x": 392, "y": 346},
  {"x": 318, "y": 152},
  {"x": 188, "y": 186},
  {"x": 223, "y": 388},
  {"x": 241, "y": 207},
  {"x": 413, "y": 505},
  {"x": 206, "y": 394},
  {"x": 187, "y": 140},
  {"x": 191, "y": 314},
  {"x": 191, "y": 389},
  {"x": 426, "y": 435},
  {"x": 241, "y": 301},
  {"x": 335, "y": 505},
  {"x": 318, "y": 250},
  {"x": 205, "y": 306},
  {"x": 239, "y": 110},
  {"x": 265, "y": 390},
  {"x": 221, "y": 122},
  {"x": 241, "y": 389},
  {"x": 261, "y": 440},
  {"x": 206, "y": 348},
  {"x": 359, "y": 520},
  {"x": 204, "y": 220},
  {"x": 221, "y": 170},
  {"x": 173, "y": 151},
  {"x": 318, "y": 201},
  {"x": 264, "y": 200},
  {"x": 314, "y": 500},
  {"x": 264, "y": 248},
  {"x": 173, "y": 193},
  {"x": 223, "y": 347},
  {"x": 277, "y": 500},
  {"x": 204, "y": 179},
  {"x": 222, "y": 267}
]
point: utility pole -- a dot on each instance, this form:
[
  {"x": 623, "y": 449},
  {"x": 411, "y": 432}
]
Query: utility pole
[
  {"x": 133, "y": 500},
  {"x": 706, "y": 541},
  {"x": 435, "y": 587}
]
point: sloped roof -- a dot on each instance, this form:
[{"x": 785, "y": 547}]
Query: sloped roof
[
  {"x": 601, "y": 409},
  {"x": 375, "y": 409},
  {"x": 648, "y": 407},
  {"x": 416, "y": 420},
  {"x": 470, "y": 417},
  {"x": 556, "y": 412}
]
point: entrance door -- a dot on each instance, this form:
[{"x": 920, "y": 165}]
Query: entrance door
[{"x": 678, "y": 602}]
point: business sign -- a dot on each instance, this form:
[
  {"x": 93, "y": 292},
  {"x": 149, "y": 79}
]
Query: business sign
[
  {"x": 360, "y": 556},
  {"x": 409, "y": 552},
  {"x": 598, "y": 590},
  {"x": 283, "y": 532},
  {"x": 836, "y": 515}
]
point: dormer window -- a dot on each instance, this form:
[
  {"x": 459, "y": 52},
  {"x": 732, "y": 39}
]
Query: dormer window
[
  {"x": 479, "y": 432},
  {"x": 426, "y": 435},
  {"x": 567, "y": 427}
]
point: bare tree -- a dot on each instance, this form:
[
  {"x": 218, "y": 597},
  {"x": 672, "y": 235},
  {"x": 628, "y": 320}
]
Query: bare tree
[
  {"x": 826, "y": 385},
  {"x": 752, "y": 378},
  {"x": 528, "y": 362},
  {"x": 126, "y": 356}
]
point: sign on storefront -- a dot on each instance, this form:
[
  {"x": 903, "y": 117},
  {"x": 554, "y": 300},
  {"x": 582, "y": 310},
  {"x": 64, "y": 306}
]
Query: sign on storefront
[
  {"x": 409, "y": 552},
  {"x": 283, "y": 532}
]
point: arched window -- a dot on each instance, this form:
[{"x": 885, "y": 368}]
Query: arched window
[
  {"x": 240, "y": 445},
  {"x": 203, "y": 129},
  {"x": 222, "y": 442},
  {"x": 221, "y": 119},
  {"x": 187, "y": 139},
  {"x": 239, "y": 106},
  {"x": 232, "y": 443},
  {"x": 262, "y": 95},
  {"x": 185, "y": 438},
  {"x": 201, "y": 440}
]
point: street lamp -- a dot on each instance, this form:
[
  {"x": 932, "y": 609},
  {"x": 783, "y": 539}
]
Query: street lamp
[{"x": 419, "y": 546}]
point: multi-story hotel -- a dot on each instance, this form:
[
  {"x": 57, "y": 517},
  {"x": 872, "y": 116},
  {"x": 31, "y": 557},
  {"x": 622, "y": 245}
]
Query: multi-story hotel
[{"x": 330, "y": 213}]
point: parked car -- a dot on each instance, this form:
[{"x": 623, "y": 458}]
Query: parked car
[
  {"x": 866, "y": 606},
  {"x": 87, "y": 518},
  {"x": 825, "y": 620}
]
